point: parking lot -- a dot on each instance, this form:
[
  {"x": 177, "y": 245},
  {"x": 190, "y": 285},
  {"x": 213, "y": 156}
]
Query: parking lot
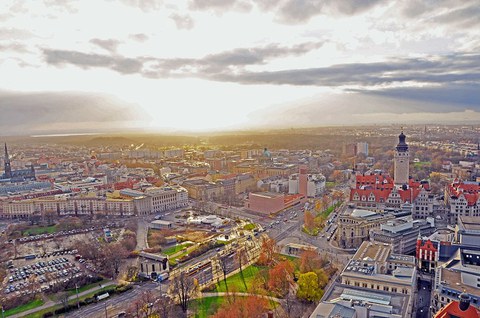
[{"x": 40, "y": 274}]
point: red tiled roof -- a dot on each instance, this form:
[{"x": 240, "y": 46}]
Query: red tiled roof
[{"x": 453, "y": 310}]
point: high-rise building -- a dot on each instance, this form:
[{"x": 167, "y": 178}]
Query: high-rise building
[
  {"x": 362, "y": 148},
  {"x": 401, "y": 161}
]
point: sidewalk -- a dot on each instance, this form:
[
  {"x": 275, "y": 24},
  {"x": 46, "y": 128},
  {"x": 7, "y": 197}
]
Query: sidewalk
[{"x": 51, "y": 303}]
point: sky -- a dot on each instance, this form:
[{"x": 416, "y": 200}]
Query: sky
[{"x": 213, "y": 65}]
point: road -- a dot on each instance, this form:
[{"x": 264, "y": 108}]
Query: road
[
  {"x": 52, "y": 303},
  {"x": 423, "y": 300},
  {"x": 116, "y": 304}
]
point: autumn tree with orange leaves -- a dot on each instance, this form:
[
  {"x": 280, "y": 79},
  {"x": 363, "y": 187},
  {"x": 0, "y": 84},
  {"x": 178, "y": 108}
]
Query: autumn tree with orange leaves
[
  {"x": 268, "y": 252},
  {"x": 280, "y": 277},
  {"x": 310, "y": 261},
  {"x": 243, "y": 307},
  {"x": 309, "y": 221}
]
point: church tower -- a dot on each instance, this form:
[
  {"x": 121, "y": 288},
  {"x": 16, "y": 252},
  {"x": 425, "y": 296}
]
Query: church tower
[
  {"x": 401, "y": 161},
  {"x": 7, "y": 168}
]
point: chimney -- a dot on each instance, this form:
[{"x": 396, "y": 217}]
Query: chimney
[{"x": 464, "y": 301}]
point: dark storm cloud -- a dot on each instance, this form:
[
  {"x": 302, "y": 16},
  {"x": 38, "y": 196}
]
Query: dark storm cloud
[
  {"x": 183, "y": 22},
  {"x": 107, "y": 44},
  {"x": 117, "y": 63},
  {"x": 23, "y": 112}
]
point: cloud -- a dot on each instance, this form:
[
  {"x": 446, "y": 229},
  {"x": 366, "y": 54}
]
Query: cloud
[
  {"x": 183, "y": 22},
  {"x": 220, "y": 6},
  {"x": 117, "y": 63},
  {"x": 24, "y": 112},
  {"x": 145, "y": 5},
  {"x": 288, "y": 11},
  {"x": 139, "y": 37},
  {"x": 110, "y": 44},
  {"x": 376, "y": 107},
  {"x": 466, "y": 17},
  {"x": 151, "y": 67},
  {"x": 14, "y": 34},
  {"x": 232, "y": 66}
]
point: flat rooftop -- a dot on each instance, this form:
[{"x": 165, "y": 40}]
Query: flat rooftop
[
  {"x": 470, "y": 222},
  {"x": 454, "y": 281},
  {"x": 373, "y": 251},
  {"x": 398, "y": 302}
]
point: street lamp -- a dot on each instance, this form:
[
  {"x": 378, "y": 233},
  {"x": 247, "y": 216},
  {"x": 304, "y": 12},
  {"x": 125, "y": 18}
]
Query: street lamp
[
  {"x": 76, "y": 291},
  {"x": 3, "y": 312}
]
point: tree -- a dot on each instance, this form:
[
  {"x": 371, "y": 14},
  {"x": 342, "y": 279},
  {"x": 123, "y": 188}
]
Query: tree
[
  {"x": 308, "y": 288},
  {"x": 223, "y": 261},
  {"x": 183, "y": 288},
  {"x": 243, "y": 307},
  {"x": 114, "y": 254},
  {"x": 62, "y": 297},
  {"x": 309, "y": 261},
  {"x": 309, "y": 221},
  {"x": 280, "y": 278},
  {"x": 163, "y": 306},
  {"x": 268, "y": 251}
]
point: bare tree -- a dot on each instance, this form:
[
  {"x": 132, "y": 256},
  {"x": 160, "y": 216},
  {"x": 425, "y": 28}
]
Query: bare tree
[
  {"x": 163, "y": 306},
  {"x": 183, "y": 288},
  {"x": 62, "y": 297},
  {"x": 223, "y": 262}
]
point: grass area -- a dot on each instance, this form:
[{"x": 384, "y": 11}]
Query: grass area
[
  {"x": 205, "y": 307},
  {"x": 87, "y": 287},
  {"x": 314, "y": 232},
  {"x": 249, "y": 227},
  {"x": 177, "y": 248},
  {"x": 330, "y": 184},
  {"x": 36, "y": 230},
  {"x": 422, "y": 164},
  {"x": 33, "y": 304},
  {"x": 39, "y": 314},
  {"x": 325, "y": 214},
  {"x": 237, "y": 280}
]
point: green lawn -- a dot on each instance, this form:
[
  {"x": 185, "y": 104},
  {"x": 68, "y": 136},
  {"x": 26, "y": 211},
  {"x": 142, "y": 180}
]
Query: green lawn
[
  {"x": 177, "y": 248},
  {"x": 39, "y": 314},
  {"x": 33, "y": 304},
  {"x": 422, "y": 164},
  {"x": 330, "y": 184},
  {"x": 36, "y": 230},
  {"x": 205, "y": 307},
  {"x": 87, "y": 287},
  {"x": 249, "y": 227},
  {"x": 237, "y": 281}
]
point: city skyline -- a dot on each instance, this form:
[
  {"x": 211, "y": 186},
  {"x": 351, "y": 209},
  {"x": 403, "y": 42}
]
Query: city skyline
[{"x": 238, "y": 64}]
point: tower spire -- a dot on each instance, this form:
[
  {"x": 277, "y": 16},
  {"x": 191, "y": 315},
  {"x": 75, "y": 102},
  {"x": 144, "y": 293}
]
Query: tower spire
[{"x": 7, "y": 167}]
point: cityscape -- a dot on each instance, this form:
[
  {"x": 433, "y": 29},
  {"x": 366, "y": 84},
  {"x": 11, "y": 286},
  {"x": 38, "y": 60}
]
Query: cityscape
[{"x": 240, "y": 159}]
